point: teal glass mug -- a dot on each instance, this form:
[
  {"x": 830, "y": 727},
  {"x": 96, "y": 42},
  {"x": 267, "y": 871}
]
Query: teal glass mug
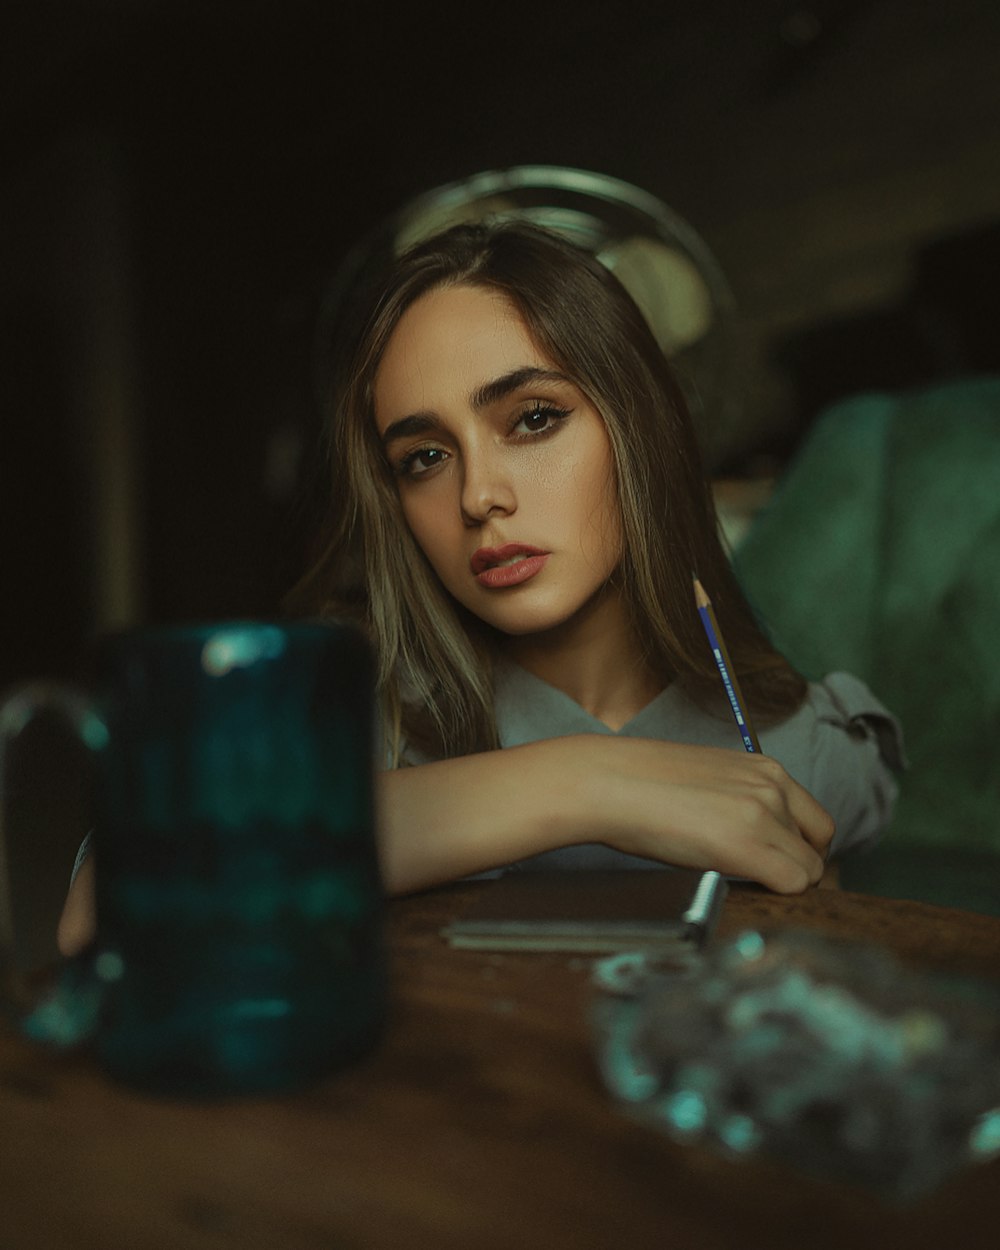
[{"x": 238, "y": 898}]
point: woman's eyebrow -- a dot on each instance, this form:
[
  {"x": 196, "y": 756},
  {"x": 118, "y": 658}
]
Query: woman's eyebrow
[
  {"x": 499, "y": 388},
  {"x": 417, "y": 423}
]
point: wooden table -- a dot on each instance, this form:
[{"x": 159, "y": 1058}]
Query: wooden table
[{"x": 481, "y": 1123}]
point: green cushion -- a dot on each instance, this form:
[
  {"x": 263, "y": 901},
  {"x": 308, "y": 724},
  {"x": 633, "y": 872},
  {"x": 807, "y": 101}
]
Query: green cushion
[{"x": 880, "y": 554}]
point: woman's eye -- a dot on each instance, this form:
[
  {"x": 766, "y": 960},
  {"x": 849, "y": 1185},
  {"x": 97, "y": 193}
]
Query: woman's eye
[
  {"x": 420, "y": 461},
  {"x": 540, "y": 418}
]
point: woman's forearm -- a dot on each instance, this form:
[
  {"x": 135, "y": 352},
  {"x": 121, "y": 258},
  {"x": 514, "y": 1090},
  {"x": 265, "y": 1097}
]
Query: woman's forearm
[
  {"x": 696, "y": 807},
  {"x": 77, "y": 923},
  {"x": 699, "y": 807},
  {"x": 439, "y": 822}
]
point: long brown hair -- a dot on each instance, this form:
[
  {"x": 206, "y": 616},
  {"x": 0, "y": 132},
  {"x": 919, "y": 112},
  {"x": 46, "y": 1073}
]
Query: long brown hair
[{"x": 435, "y": 658}]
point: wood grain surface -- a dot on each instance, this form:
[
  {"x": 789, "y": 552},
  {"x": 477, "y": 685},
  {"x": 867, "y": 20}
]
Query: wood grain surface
[{"x": 481, "y": 1122}]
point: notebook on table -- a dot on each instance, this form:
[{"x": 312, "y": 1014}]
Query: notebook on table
[{"x": 599, "y": 912}]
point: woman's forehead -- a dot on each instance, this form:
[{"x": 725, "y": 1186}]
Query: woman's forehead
[{"x": 450, "y": 342}]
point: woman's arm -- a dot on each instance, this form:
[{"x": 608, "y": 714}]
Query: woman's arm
[
  {"x": 76, "y": 925},
  {"x": 693, "y": 806}
]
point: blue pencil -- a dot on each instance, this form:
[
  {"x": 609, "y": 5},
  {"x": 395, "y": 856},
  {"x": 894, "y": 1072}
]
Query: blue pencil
[{"x": 725, "y": 667}]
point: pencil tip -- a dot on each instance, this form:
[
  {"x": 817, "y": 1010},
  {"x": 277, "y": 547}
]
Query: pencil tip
[{"x": 700, "y": 594}]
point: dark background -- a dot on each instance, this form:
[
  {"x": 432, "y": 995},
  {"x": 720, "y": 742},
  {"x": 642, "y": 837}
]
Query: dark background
[{"x": 181, "y": 181}]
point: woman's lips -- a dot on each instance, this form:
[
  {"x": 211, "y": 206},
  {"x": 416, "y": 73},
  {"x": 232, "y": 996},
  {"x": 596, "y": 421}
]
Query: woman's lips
[{"x": 499, "y": 567}]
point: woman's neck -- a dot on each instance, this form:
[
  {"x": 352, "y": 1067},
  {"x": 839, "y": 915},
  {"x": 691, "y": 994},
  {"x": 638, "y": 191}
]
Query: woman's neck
[{"x": 594, "y": 658}]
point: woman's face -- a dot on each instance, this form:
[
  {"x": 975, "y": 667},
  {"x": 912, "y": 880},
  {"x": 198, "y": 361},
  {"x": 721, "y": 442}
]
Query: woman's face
[{"x": 503, "y": 466}]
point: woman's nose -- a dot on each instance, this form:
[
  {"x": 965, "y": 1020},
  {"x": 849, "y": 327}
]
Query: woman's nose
[{"x": 486, "y": 489}]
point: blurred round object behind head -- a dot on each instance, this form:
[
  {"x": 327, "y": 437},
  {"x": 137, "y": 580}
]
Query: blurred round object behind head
[{"x": 662, "y": 262}]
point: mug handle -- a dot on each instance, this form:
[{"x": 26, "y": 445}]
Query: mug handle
[{"x": 67, "y": 1011}]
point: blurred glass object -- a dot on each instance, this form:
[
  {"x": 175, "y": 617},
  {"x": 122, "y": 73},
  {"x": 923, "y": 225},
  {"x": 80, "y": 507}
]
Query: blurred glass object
[
  {"x": 831, "y": 1056},
  {"x": 239, "y": 902},
  {"x": 661, "y": 260}
]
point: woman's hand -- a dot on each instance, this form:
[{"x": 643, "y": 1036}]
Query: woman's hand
[{"x": 705, "y": 807}]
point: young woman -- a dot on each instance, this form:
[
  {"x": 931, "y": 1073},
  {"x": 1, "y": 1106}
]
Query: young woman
[{"x": 516, "y": 505}]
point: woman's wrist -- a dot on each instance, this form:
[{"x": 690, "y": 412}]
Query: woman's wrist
[
  {"x": 457, "y": 817},
  {"x": 588, "y": 793}
]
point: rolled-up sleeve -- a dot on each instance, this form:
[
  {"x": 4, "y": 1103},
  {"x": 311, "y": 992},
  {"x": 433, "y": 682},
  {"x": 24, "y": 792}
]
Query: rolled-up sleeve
[{"x": 847, "y": 751}]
